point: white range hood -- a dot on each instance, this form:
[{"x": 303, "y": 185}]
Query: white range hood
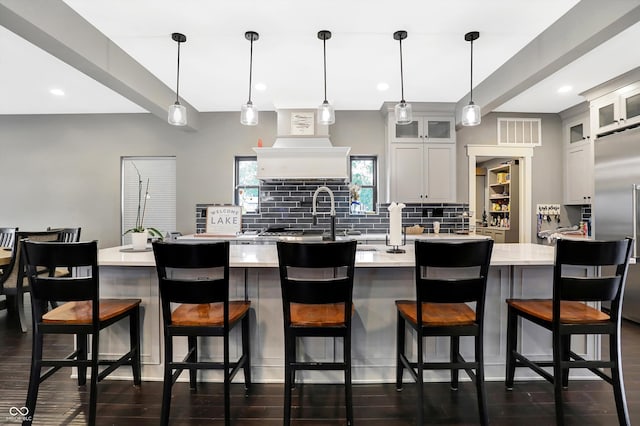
[
  {"x": 302, "y": 158},
  {"x": 305, "y": 157}
]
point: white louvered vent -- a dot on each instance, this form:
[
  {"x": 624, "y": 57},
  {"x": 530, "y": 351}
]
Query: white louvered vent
[{"x": 520, "y": 131}]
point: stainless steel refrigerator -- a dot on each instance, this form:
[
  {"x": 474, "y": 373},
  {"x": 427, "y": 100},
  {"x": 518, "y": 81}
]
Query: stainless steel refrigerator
[{"x": 615, "y": 209}]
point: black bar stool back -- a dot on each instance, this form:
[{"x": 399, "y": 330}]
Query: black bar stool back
[
  {"x": 566, "y": 314},
  {"x": 196, "y": 276},
  {"x": 448, "y": 276},
  {"x": 317, "y": 287},
  {"x": 83, "y": 314}
]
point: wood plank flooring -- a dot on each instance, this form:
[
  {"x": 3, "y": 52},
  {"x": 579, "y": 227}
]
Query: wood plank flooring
[{"x": 62, "y": 402}]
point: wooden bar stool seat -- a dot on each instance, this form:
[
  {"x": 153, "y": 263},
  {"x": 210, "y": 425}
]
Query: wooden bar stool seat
[
  {"x": 449, "y": 275},
  {"x": 571, "y": 312},
  {"x": 82, "y": 312},
  {"x": 208, "y": 314},
  {"x": 584, "y": 271},
  {"x": 324, "y": 315},
  {"x": 437, "y": 314}
]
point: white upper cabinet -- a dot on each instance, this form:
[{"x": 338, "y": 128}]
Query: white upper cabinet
[
  {"x": 423, "y": 128},
  {"x": 578, "y": 160},
  {"x": 616, "y": 109},
  {"x": 422, "y": 173}
]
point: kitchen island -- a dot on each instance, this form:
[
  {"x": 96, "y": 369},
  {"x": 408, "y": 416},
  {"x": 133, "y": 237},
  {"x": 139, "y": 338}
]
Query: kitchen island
[{"x": 517, "y": 270}]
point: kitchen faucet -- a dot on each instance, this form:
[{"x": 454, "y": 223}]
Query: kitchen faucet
[{"x": 332, "y": 212}]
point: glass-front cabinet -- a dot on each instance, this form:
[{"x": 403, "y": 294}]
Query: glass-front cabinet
[
  {"x": 424, "y": 128},
  {"x": 620, "y": 108},
  {"x": 578, "y": 160}
]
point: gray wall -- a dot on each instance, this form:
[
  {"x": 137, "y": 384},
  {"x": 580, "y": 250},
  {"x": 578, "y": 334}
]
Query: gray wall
[
  {"x": 64, "y": 170},
  {"x": 547, "y": 163}
]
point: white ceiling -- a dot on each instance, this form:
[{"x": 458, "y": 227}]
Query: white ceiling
[{"x": 288, "y": 55}]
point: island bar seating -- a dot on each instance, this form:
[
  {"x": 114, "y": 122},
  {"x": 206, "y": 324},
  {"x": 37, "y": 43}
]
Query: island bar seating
[
  {"x": 82, "y": 315},
  {"x": 566, "y": 315},
  {"x": 448, "y": 276},
  {"x": 197, "y": 277},
  {"x": 316, "y": 280},
  {"x": 16, "y": 283}
]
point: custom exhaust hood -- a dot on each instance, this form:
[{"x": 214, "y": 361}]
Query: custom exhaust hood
[{"x": 302, "y": 150}]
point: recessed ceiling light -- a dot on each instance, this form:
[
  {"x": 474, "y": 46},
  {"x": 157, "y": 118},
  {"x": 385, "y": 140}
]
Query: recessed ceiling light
[
  {"x": 261, "y": 86},
  {"x": 565, "y": 89},
  {"x": 382, "y": 86},
  {"x": 57, "y": 92}
]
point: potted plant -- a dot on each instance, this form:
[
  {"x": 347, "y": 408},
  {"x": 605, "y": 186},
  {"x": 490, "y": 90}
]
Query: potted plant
[{"x": 139, "y": 233}]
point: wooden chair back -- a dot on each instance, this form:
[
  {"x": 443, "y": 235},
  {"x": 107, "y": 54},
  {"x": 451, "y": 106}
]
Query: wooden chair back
[
  {"x": 192, "y": 273},
  {"x": 301, "y": 265},
  {"x": 452, "y": 272},
  {"x": 8, "y": 237},
  {"x": 46, "y": 288},
  {"x": 16, "y": 269},
  {"x": 611, "y": 258},
  {"x": 67, "y": 235}
]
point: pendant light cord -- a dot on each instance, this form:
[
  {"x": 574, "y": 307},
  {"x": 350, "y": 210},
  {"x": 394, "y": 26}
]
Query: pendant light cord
[
  {"x": 324, "y": 54},
  {"x": 471, "y": 76},
  {"x": 401, "y": 74},
  {"x": 250, "y": 69},
  {"x": 178, "y": 76}
]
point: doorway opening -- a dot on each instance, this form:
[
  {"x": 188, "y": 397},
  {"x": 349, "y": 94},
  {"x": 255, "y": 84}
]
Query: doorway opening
[{"x": 480, "y": 153}]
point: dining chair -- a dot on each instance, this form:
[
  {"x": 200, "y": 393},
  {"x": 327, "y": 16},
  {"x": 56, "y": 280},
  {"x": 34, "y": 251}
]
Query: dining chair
[
  {"x": 16, "y": 284},
  {"x": 566, "y": 314},
  {"x": 448, "y": 276},
  {"x": 84, "y": 314},
  {"x": 7, "y": 245},
  {"x": 316, "y": 281},
  {"x": 194, "y": 279}
]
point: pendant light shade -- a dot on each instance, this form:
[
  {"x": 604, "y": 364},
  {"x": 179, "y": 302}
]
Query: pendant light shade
[
  {"x": 403, "y": 110},
  {"x": 177, "y": 112},
  {"x": 326, "y": 114},
  {"x": 471, "y": 114},
  {"x": 248, "y": 111}
]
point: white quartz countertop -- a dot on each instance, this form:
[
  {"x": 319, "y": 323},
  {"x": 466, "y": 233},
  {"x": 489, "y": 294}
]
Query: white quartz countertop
[{"x": 367, "y": 256}]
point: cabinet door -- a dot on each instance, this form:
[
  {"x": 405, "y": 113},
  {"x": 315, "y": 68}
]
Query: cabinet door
[
  {"x": 498, "y": 236},
  {"x": 411, "y": 132},
  {"x": 630, "y": 107},
  {"x": 605, "y": 113},
  {"x": 439, "y": 172},
  {"x": 406, "y": 172},
  {"x": 439, "y": 129},
  {"x": 578, "y": 175}
]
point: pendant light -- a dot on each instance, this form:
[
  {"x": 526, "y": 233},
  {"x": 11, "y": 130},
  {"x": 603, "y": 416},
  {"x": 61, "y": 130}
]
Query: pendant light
[
  {"x": 248, "y": 112},
  {"x": 177, "y": 112},
  {"x": 471, "y": 113},
  {"x": 403, "y": 110},
  {"x": 326, "y": 115}
]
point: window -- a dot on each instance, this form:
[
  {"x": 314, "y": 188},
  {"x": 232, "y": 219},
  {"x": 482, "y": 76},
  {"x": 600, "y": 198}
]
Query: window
[
  {"x": 247, "y": 185},
  {"x": 160, "y": 205},
  {"x": 364, "y": 184}
]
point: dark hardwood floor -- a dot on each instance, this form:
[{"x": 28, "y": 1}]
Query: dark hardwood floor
[{"x": 62, "y": 402}]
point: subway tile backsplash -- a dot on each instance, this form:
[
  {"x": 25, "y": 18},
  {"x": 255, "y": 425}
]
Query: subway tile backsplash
[{"x": 288, "y": 203}]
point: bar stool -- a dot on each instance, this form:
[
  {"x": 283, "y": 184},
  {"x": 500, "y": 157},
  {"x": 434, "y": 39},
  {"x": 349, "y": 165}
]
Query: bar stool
[
  {"x": 196, "y": 276},
  {"x": 317, "y": 285},
  {"x": 448, "y": 276},
  {"x": 84, "y": 314},
  {"x": 566, "y": 315}
]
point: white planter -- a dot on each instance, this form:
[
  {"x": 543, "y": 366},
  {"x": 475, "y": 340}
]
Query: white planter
[{"x": 139, "y": 240}]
